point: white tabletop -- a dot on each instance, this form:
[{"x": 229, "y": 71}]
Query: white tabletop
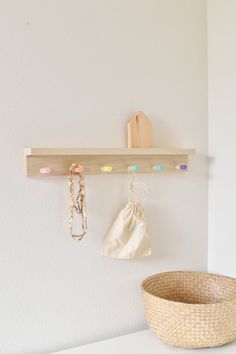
[{"x": 143, "y": 342}]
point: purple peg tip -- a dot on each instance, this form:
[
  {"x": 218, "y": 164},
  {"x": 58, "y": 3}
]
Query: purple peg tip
[{"x": 183, "y": 167}]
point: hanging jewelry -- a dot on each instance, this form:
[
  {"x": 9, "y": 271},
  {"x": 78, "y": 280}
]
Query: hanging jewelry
[
  {"x": 78, "y": 204},
  {"x": 133, "y": 195}
]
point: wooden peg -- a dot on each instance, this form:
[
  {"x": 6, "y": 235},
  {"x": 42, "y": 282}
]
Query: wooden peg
[{"x": 140, "y": 131}]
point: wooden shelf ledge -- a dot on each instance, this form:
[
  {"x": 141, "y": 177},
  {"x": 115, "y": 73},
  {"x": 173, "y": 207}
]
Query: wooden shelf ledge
[
  {"x": 60, "y": 159},
  {"x": 114, "y": 151}
]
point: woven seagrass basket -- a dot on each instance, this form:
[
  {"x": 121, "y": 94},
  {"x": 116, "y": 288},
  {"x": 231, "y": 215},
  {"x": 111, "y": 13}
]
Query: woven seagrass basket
[{"x": 191, "y": 309}]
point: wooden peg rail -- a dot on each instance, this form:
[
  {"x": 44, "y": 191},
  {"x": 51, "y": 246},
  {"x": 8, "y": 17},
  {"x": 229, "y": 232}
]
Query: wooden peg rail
[{"x": 56, "y": 162}]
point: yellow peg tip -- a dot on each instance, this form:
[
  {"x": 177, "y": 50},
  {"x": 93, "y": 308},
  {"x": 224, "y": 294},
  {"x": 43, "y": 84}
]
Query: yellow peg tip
[{"x": 106, "y": 169}]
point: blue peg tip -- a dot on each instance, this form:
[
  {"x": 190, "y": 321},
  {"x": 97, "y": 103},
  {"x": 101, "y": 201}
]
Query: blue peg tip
[
  {"x": 159, "y": 168},
  {"x": 134, "y": 168}
]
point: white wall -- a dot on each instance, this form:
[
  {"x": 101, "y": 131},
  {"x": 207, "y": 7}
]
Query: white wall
[
  {"x": 71, "y": 74},
  {"x": 222, "y": 129}
]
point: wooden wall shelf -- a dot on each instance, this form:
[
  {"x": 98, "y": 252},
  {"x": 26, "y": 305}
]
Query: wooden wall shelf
[{"x": 93, "y": 160}]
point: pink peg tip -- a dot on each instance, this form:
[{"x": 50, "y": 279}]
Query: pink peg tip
[{"x": 45, "y": 170}]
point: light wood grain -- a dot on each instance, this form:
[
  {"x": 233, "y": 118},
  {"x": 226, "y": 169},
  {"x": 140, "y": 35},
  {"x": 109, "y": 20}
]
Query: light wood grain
[
  {"x": 59, "y": 160},
  {"x": 140, "y": 131},
  {"x": 31, "y": 151}
]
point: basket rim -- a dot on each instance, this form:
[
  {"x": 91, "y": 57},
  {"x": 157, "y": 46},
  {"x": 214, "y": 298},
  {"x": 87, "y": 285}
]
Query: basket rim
[{"x": 184, "y": 303}]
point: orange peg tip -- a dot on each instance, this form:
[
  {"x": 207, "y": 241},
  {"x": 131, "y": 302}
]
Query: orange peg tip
[{"x": 79, "y": 169}]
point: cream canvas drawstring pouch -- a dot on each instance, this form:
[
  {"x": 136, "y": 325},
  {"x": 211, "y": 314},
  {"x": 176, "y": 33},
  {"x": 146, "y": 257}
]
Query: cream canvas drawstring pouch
[{"x": 128, "y": 236}]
